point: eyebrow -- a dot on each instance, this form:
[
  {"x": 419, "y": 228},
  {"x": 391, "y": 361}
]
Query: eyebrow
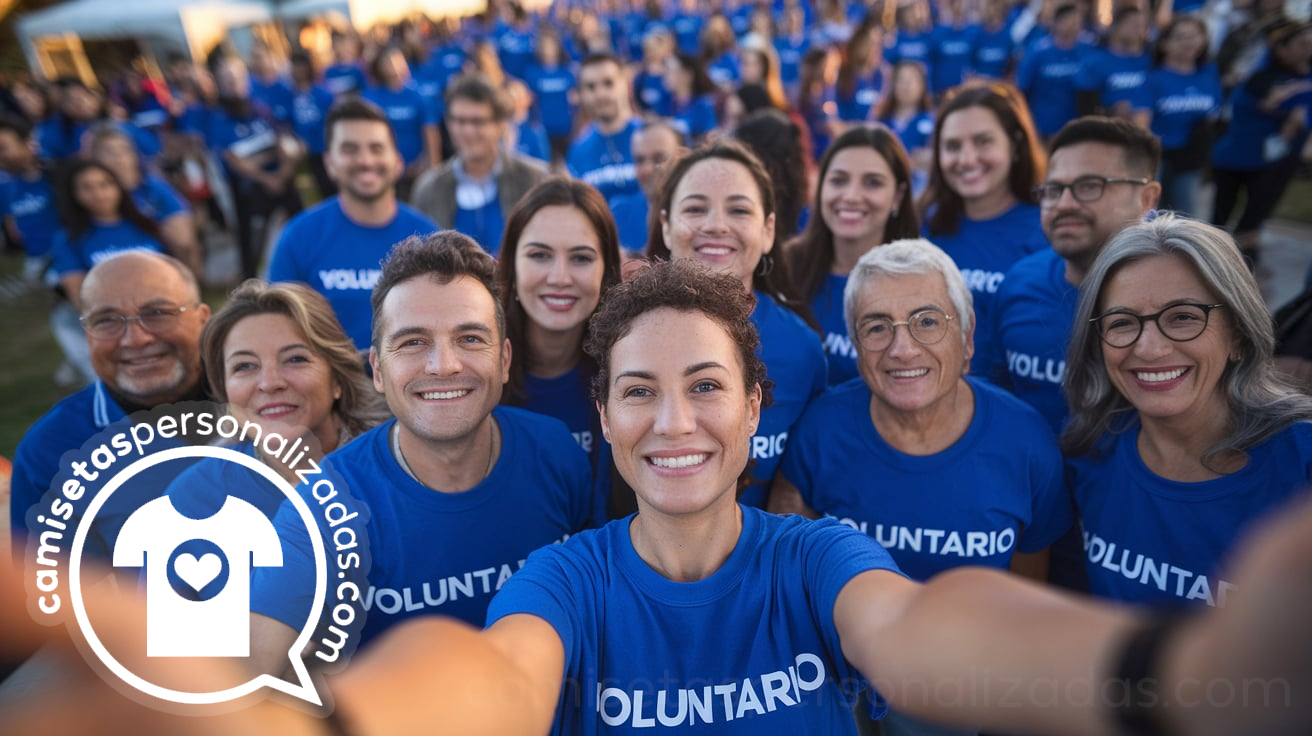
[
  {"x": 285, "y": 348},
  {"x": 158, "y": 302},
  {"x": 544, "y": 246},
  {"x": 689, "y": 371},
  {"x": 884, "y": 315}
]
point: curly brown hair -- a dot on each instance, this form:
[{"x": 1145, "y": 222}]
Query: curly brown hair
[
  {"x": 443, "y": 256},
  {"x": 685, "y": 286}
]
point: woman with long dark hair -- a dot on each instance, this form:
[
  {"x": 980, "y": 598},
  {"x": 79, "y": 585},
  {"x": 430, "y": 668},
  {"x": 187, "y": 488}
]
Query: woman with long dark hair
[
  {"x": 978, "y": 206},
  {"x": 559, "y": 256},
  {"x": 717, "y": 206},
  {"x": 863, "y": 200},
  {"x": 100, "y": 219}
]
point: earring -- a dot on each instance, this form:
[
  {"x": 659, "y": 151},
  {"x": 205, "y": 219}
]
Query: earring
[{"x": 765, "y": 266}]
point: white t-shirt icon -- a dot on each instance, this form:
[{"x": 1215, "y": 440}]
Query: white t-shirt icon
[{"x": 220, "y": 626}]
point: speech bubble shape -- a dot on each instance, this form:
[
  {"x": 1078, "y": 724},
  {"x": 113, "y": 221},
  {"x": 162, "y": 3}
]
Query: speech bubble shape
[{"x": 304, "y": 687}]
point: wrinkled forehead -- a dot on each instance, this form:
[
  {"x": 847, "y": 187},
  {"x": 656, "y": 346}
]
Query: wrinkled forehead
[{"x": 134, "y": 284}]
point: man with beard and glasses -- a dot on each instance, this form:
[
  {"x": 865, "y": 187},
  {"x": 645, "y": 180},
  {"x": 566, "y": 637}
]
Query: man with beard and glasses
[
  {"x": 1100, "y": 181},
  {"x": 338, "y": 245},
  {"x": 142, "y": 314}
]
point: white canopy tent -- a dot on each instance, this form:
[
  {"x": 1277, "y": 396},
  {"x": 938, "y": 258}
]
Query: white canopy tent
[
  {"x": 189, "y": 26},
  {"x": 365, "y": 13}
]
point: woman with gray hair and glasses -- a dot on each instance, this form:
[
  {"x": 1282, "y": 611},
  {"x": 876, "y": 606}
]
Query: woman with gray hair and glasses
[
  {"x": 1181, "y": 433},
  {"x": 942, "y": 469}
]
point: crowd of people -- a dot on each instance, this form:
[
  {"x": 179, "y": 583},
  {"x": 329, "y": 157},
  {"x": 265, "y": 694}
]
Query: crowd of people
[{"x": 679, "y": 346}]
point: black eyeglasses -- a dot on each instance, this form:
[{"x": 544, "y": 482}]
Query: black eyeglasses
[
  {"x": 927, "y": 327},
  {"x": 111, "y": 325},
  {"x": 1180, "y": 323},
  {"x": 1084, "y": 189}
]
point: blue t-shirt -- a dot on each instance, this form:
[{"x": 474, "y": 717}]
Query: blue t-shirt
[
  {"x": 341, "y": 259},
  {"x": 1242, "y": 147},
  {"x": 724, "y": 70},
  {"x": 531, "y": 140},
  {"x": 630, "y": 212},
  {"x": 649, "y": 90},
  {"x": 910, "y": 46},
  {"x": 1160, "y": 542},
  {"x": 915, "y": 132},
  {"x": 243, "y": 137},
  {"x": 687, "y": 29},
  {"x": 515, "y": 50},
  {"x": 58, "y": 140},
  {"x": 642, "y": 650},
  {"x": 156, "y": 199},
  {"x": 997, "y": 490},
  {"x": 1034, "y": 314},
  {"x": 795, "y": 361},
  {"x": 791, "y": 51},
  {"x": 865, "y": 96},
  {"x": 408, "y": 112},
  {"x": 950, "y": 56},
  {"x": 97, "y": 244},
  {"x": 309, "y": 110},
  {"x": 1047, "y": 78},
  {"x": 342, "y": 79},
  {"x": 1182, "y": 102},
  {"x": 484, "y": 224},
  {"x": 1117, "y": 78},
  {"x": 985, "y": 250},
  {"x": 201, "y": 491},
  {"x": 696, "y": 118},
  {"x": 31, "y": 202},
  {"x": 567, "y": 397},
  {"x": 840, "y": 353},
  {"x": 38, "y": 468},
  {"x": 551, "y": 97},
  {"x": 68, "y": 424},
  {"x": 993, "y": 51},
  {"x": 605, "y": 161},
  {"x": 434, "y": 552},
  {"x": 276, "y": 95}
]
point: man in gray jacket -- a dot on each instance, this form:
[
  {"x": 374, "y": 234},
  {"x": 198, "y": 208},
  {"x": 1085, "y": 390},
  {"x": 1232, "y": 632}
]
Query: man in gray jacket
[{"x": 476, "y": 189}]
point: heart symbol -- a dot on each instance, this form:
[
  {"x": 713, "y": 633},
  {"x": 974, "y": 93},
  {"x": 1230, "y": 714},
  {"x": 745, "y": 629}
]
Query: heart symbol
[{"x": 198, "y": 573}]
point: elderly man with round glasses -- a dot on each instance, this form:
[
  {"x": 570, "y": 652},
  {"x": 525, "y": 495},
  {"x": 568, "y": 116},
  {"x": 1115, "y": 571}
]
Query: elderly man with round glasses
[
  {"x": 943, "y": 470},
  {"x": 1181, "y": 432}
]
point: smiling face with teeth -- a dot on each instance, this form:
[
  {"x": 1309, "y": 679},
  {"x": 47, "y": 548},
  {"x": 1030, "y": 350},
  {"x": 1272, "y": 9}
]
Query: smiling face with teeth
[
  {"x": 857, "y": 194},
  {"x": 441, "y": 361},
  {"x": 908, "y": 377},
  {"x": 558, "y": 270},
  {"x": 678, "y": 414},
  {"x": 149, "y": 368},
  {"x": 717, "y": 216},
  {"x": 1168, "y": 381},
  {"x": 271, "y": 372}
]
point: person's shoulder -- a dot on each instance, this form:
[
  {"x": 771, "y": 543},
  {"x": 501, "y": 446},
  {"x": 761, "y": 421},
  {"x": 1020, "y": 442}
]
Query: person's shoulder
[
  {"x": 70, "y": 422},
  {"x": 409, "y": 216},
  {"x": 1005, "y": 407},
  {"x": 518, "y": 164},
  {"x": 362, "y": 444},
  {"x": 1030, "y": 269},
  {"x": 541, "y": 428},
  {"x": 314, "y": 216}
]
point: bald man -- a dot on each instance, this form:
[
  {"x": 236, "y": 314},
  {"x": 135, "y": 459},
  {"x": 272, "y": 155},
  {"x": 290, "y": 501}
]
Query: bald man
[{"x": 142, "y": 315}]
